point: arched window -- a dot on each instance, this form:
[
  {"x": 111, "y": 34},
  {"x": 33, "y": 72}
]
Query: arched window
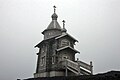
[{"x": 43, "y": 60}]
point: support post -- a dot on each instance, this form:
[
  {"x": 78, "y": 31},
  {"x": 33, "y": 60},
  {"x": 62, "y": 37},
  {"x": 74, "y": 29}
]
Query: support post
[
  {"x": 66, "y": 72},
  {"x": 78, "y": 66}
]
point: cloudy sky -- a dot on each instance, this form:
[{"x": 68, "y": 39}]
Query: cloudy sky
[{"x": 94, "y": 23}]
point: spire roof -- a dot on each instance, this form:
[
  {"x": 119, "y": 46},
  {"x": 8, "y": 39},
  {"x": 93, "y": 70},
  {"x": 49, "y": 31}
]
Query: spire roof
[{"x": 54, "y": 25}]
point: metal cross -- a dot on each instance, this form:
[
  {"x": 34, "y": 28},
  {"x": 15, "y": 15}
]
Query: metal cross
[
  {"x": 54, "y": 8},
  {"x": 63, "y": 23}
]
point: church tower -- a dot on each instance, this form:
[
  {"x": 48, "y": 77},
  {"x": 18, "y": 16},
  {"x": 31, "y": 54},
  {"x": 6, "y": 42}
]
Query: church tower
[
  {"x": 53, "y": 28},
  {"x": 56, "y": 56}
]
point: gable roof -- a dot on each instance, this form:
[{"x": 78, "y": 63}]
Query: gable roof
[
  {"x": 66, "y": 34},
  {"x": 68, "y": 47},
  {"x": 43, "y": 41}
]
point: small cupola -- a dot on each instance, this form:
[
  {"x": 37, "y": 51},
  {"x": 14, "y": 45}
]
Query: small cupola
[{"x": 54, "y": 16}]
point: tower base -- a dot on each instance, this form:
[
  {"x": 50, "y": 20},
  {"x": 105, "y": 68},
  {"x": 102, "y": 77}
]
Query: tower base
[{"x": 49, "y": 74}]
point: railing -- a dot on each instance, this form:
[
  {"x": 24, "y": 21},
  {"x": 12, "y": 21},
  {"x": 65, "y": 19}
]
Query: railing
[
  {"x": 88, "y": 68},
  {"x": 79, "y": 67},
  {"x": 72, "y": 64}
]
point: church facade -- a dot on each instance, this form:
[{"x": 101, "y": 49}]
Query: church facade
[{"x": 56, "y": 56}]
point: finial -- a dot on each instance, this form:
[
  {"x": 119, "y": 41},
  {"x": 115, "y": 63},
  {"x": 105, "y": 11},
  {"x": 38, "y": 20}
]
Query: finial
[
  {"x": 63, "y": 24},
  {"x": 54, "y": 16},
  {"x": 64, "y": 30},
  {"x": 54, "y": 8}
]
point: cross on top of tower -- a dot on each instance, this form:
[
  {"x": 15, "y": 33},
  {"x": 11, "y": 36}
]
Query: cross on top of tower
[{"x": 54, "y": 8}]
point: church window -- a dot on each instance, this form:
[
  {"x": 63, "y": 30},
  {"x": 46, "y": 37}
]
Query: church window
[
  {"x": 50, "y": 33},
  {"x": 65, "y": 57},
  {"x": 43, "y": 49},
  {"x": 53, "y": 47},
  {"x": 53, "y": 59},
  {"x": 43, "y": 60},
  {"x": 65, "y": 42}
]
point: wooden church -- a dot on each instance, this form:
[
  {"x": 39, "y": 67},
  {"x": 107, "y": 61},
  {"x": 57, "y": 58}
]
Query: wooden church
[{"x": 56, "y": 56}]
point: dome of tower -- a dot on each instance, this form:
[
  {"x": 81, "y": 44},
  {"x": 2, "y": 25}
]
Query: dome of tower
[{"x": 54, "y": 16}]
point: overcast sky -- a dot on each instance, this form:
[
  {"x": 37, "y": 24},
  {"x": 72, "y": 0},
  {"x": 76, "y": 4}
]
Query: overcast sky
[{"x": 94, "y": 23}]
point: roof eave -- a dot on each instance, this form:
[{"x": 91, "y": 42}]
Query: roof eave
[
  {"x": 69, "y": 48},
  {"x": 66, "y": 35}
]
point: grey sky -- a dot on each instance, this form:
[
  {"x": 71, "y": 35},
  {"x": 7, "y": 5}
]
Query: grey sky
[{"x": 94, "y": 23}]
